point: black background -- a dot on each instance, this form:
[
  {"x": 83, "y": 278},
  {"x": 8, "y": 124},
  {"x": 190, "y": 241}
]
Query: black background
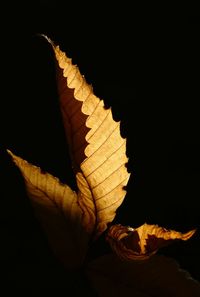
[{"x": 146, "y": 66}]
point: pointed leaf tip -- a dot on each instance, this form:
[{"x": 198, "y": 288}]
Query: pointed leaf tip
[
  {"x": 188, "y": 234},
  {"x": 11, "y": 154},
  {"x": 49, "y": 40},
  {"x": 45, "y": 37}
]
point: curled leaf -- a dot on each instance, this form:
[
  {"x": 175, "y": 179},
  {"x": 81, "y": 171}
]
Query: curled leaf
[
  {"x": 142, "y": 242},
  {"x": 58, "y": 211},
  {"x": 97, "y": 148}
]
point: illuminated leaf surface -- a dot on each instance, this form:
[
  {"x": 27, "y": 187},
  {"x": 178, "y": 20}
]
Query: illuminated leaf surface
[
  {"x": 57, "y": 209},
  {"x": 97, "y": 149},
  {"x": 142, "y": 242},
  {"x": 98, "y": 155}
]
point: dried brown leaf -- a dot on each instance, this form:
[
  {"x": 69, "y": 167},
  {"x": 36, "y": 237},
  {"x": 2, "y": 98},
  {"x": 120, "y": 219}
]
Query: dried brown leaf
[{"x": 142, "y": 242}]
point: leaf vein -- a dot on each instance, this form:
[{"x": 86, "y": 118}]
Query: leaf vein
[
  {"x": 111, "y": 190},
  {"x": 106, "y": 159},
  {"x": 108, "y": 176},
  {"x": 102, "y": 142},
  {"x": 100, "y": 123}
]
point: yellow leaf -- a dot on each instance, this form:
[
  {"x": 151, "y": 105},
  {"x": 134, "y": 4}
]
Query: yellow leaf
[
  {"x": 97, "y": 148},
  {"x": 142, "y": 242},
  {"x": 57, "y": 209}
]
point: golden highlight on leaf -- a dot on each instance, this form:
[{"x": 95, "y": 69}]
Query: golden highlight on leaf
[
  {"x": 97, "y": 148},
  {"x": 142, "y": 242},
  {"x": 57, "y": 209}
]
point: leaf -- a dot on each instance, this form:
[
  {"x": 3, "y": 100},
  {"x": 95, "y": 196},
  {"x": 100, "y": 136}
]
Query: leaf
[
  {"x": 142, "y": 242},
  {"x": 158, "y": 276},
  {"x": 57, "y": 209},
  {"x": 97, "y": 148}
]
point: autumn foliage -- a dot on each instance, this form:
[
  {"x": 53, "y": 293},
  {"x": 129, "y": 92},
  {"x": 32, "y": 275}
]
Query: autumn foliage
[{"x": 72, "y": 220}]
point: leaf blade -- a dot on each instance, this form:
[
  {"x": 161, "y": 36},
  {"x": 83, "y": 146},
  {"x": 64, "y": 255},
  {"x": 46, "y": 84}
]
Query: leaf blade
[
  {"x": 57, "y": 209},
  {"x": 98, "y": 150}
]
